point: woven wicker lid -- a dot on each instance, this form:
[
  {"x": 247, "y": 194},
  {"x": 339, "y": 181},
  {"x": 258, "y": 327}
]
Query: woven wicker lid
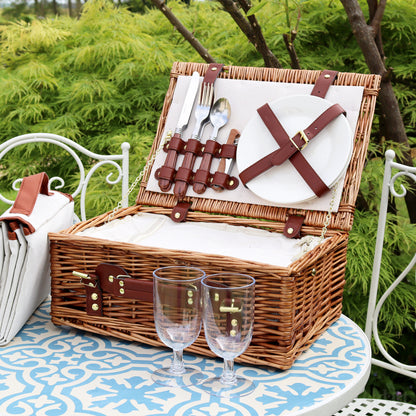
[{"x": 340, "y": 220}]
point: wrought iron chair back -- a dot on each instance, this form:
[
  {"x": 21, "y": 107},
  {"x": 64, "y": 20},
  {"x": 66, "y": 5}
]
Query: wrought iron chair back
[
  {"x": 374, "y": 306},
  {"x": 120, "y": 162},
  {"x": 372, "y": 407}
]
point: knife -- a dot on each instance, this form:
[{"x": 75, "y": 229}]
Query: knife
[
  {"x": 188, "y": 103},
  {"x": 226, "y": 164}
]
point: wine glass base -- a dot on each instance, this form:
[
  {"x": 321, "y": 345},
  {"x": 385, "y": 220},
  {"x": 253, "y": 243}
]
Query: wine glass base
[
  {"x": 240, "y": 387},
  {"x": 165, "y": 377}
]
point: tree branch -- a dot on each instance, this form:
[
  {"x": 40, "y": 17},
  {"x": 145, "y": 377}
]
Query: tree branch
[
  {"x": 203, "y": 52},
  {"x": 376, "y": 16},
  {"x": 391, "y": 122},
  {"x": 252, "y": 30},
  {"x": 289, "y": 40}
]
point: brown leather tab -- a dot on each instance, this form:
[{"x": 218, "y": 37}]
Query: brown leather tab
[
  {"x": 222, "y": 180},
  {"x": 193, "y": 146},
  {"x": 212, "y": 73},
  {"x": 165, "y": 175},
  {"x": 212, "y": 147},
  {"x": 202, "y": 179},
  {"x": 116, "y": 281},
  {"x": 232, "y": 183},
  {"x": 176, "y": 143},
  {"x": 293, "y": 226},
  {"x": 323, "y": 83},
  {"x": 94, "y": 300},
  {"x": 183, "y": 175},
  {"x": 202, "y": 175},
  {"x": 180, "y": 211},
  {"x": 228, "y": 151},
  {"x": 93, "y": 293},
  {"x": 28, "y": 193},
  {"x": 219, "y": 181}
]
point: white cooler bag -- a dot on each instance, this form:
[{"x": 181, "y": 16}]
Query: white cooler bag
[{"x": 24, "y": 250}]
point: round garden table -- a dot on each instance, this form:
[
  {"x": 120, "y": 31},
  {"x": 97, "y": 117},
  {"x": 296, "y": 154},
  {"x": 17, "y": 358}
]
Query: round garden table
[{"x": 49, "y": 370}]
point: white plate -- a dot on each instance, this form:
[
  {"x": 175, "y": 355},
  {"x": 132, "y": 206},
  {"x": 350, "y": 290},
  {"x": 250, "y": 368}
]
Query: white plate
[{"x": 329, "y": 152}]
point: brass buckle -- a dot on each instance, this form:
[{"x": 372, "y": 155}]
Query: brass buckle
[{"x": 303, "y": 137}]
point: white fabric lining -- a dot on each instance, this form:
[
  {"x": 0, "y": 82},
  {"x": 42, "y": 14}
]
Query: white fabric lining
[{"x": 153, "y": 230}]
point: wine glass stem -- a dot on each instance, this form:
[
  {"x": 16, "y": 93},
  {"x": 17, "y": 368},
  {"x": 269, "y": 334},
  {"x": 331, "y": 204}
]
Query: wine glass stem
[
  {"x": 228, "y": 375},
  {"x": 177, "y": 367}
]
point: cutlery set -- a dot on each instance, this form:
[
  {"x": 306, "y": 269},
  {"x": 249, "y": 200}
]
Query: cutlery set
[{"x": 207, "y": 111}]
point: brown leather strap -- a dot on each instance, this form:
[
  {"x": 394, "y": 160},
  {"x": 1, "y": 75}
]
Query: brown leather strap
[
  {"x": 28, "y": 193},
  {"x": 290, "y": 148},
  {"x": 229, "y": 149},
  {"x": 202, "y": 174},
  {"x": 175, "y": 143},
  {"x": 116, "y": 281},
  {"x": 221, "y": 179},
  {"x": 323, "y": 83},
  {"x": 212, "y": 73},
  {"x": 180, "y": 211},
  {"x": 166, "y": 175},
  {"x": 293, "y": 226},
  {"x": 94, "y": 301}
]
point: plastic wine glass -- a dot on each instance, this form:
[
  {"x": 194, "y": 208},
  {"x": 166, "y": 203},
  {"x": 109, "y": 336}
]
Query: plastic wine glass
[
  {"x": 177, "y": 314},
  {"x": 228, "y": 316}
]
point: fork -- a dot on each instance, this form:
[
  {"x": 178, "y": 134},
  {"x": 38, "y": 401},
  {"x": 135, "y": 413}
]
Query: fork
[{"x": 202, "y": 111}]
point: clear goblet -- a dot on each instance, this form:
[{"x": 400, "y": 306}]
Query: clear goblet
[
  {"x": 177, "y": 314},
  {"x": 228, "y": 316}
]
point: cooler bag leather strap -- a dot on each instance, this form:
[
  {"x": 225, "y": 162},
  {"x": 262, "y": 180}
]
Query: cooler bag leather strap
[{"x": 28, "y": 193}]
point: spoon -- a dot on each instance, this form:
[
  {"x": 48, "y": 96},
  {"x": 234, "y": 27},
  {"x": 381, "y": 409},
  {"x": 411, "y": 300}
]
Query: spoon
[{"x": 218, "y": 117}]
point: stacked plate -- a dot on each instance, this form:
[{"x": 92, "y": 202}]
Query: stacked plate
[{"x": 329, "y": 153}]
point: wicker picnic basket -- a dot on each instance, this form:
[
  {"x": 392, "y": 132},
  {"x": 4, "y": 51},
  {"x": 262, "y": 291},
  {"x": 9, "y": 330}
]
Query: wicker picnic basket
[{"x": 294, "y": 304}]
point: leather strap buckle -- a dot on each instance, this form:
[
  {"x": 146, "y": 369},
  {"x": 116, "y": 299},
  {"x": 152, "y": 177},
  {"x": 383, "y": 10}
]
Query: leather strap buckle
[
  {"x": 85, "y": 279},
  {"x": 303, "y": 137}
]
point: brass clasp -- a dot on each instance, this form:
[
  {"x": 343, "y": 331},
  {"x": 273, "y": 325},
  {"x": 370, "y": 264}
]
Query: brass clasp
[{"x": 303, "y": 137}]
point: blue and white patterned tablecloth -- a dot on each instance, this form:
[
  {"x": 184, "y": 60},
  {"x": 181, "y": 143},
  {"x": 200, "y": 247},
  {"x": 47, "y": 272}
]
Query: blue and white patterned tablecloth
[{"x": 50, "y": 371}]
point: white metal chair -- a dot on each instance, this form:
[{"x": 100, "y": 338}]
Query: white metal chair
[
  {"x": 120, "y": 163},
  {"x": 372, "y": 407}
]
